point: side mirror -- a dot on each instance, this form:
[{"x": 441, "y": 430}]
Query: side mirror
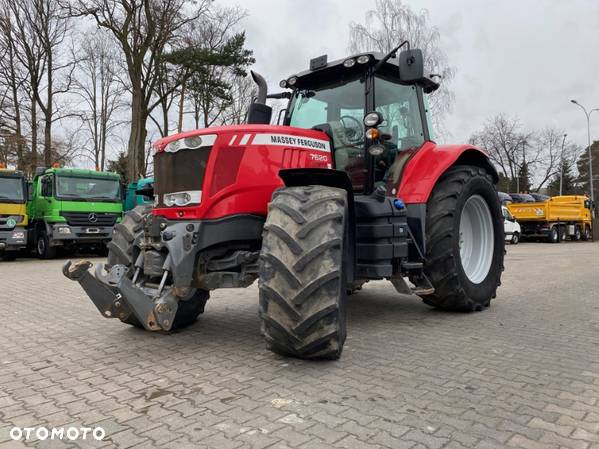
[
  {"x": 587, "y": 204},
  {"x": 146, "y": 191},
  {"x": 411, "y": 65},
  {"x": 259, "y": 114}
]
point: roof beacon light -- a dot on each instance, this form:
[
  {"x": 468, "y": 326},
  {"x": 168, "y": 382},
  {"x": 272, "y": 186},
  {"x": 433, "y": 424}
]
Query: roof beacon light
[
  {"x": 291, "y": 81},
  {"x": 363, "y": 59},
  {"x": 349, "y": 63}
]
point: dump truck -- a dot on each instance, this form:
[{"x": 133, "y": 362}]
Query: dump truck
[
  {"x": 556, "y": 219},
  {"x": 350, "y": 187},
  {"x": 13, "y": 213},
  {"x": 73, "y": 208}
]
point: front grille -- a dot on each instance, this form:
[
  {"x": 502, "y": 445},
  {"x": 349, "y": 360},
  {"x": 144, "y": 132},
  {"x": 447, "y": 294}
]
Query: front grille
[
  {"x": 4, "y": 221},
  {"x": 90, "y": 218},
  {"x": 179, "y": 172}
]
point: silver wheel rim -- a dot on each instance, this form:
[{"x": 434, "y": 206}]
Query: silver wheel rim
[
  {"x": 41, "y": 246},
  {"x": 476, "y": 239}
]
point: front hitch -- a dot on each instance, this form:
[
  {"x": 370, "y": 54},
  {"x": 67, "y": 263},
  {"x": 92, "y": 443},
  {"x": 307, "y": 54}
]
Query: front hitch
[{"x": 116, "y": 296}]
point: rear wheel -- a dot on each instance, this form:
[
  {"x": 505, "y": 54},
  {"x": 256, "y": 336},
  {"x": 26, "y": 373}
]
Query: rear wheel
[
  {"x": 465, "y": 240},
  {"x": 553, "y": 236},
  {"x": 121, "y": 250},
  {"x": 43, "y": 248},
  {"x": 586, "y": 235},
  {"x": 302, "y": 272},
  {"x": 577, "y": 233},
  {"x": 563, "y": 233}
]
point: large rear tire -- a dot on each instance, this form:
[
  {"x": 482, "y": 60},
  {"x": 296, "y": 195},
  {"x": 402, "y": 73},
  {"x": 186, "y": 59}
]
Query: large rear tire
[
  {"x": 121, "y": 250},
  {"x": 465, "y": 240},
  {"x": 302, "y": 272}
]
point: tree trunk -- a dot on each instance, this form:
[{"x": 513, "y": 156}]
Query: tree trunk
[
  {"x": 48, "y": 113},
  {"x": 137, "y": 137},
  {"x": 33, "y": 135},
  {"x": 181, "y": 106}
]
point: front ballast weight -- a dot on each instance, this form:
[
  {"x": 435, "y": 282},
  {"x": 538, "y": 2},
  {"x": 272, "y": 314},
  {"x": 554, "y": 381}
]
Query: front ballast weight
[{"x": 117, "y": 296}]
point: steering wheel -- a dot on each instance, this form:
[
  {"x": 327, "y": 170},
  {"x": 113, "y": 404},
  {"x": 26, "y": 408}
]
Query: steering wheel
[{"x": 353, "y": 132}]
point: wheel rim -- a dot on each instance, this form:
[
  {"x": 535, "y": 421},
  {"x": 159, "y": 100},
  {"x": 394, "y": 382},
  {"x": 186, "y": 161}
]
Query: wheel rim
[
  {"x": 41, "y": 246},
  {"x": 476, "y": 239}
]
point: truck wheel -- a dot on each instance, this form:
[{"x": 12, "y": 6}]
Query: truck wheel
[
  {"x": 121, "y": 251},
  {"x": 43, "y": 248},
  {"x": 465, "y": 240},
  {"x": 515, "y": 238},
  {"x": 586, "y": 235},
  {"x": 564, "y": 234},
  {"x": 302, "y": 272},
  {"x": 577, "y": 233},
  {"x": 554, "y": 235}
]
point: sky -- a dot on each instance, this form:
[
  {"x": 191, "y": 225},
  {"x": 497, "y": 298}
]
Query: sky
[{"x": 524, "y": 58}]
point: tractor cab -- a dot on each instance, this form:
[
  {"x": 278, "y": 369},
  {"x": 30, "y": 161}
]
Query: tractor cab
[{"x": 373, "y": 108}]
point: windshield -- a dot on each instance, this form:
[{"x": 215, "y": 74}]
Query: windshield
[
  {"x": 11, "y": 190},
  {"x": 68, "y": 187},
  {"x": 341, "y": 108}
]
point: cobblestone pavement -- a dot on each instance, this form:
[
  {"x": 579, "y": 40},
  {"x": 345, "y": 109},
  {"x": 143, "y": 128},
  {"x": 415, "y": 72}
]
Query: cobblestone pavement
[{"x": 523, "y": 374}]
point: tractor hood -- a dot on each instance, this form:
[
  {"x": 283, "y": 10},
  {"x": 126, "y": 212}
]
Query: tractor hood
[{"x": 216, "y": 172}]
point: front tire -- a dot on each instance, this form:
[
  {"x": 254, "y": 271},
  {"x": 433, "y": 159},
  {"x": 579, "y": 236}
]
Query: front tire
[
  {"x": 43, "y": 248},
  {"x": 465, "y": 240},
  {"x": 122, "y": 250},
  {"x": 302, "y": 272},
  {"x": 515, "y": 238}
]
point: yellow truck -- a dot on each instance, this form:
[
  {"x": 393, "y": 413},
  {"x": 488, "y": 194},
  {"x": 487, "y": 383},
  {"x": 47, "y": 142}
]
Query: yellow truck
[
  {"x": 13, "y": 213},
  {"x": 555, "y": 219}
]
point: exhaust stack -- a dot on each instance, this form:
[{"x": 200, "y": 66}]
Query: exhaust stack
[
  {"x": 259, "y": 112},
  {"x": 262, "y": 87}
]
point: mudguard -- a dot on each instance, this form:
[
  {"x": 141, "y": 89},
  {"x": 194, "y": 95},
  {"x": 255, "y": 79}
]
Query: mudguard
[{"x": 426, "y": 166}]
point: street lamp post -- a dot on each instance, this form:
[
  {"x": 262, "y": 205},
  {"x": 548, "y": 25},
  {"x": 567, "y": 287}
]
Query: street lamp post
[
  {"x": 588, "y": 115},
  {"x": 561, "y": 168}
]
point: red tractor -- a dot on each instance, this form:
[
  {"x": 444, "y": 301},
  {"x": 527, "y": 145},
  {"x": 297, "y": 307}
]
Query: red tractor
[{"x": 351, "y": 187}]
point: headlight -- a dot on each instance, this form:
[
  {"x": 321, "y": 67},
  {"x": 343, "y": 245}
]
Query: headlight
[
  {"x": 363, "y": 59},
  {"x": 283, "y": 84},
  {"x": 291, "y": 81},
  {"x": 18, "y": 235},
  {"x": 349, "y": 63},
  {"x": 376, "y": 150},
  {"x": 183, "y": 198},
  {"x": 373, "y": 119},
  {"x": 373, "y": 133},
  {"x": 63, "y": 230},
  {"x": 193, "y": 142}
]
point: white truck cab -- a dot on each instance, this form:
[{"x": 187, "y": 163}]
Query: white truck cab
[{"x": 510, "y": 226}]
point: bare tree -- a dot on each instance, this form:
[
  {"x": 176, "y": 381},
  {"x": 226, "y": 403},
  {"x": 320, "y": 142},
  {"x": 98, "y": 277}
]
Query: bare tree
[
  {"x": 243, "y": 90},
  {"x": 39, "y": 31},
  {"x": 548, "y": 153},
  {"x": 101, "y": 92},
  {"x": 144, "y": 29},
  {"x": 505, "y": 141},
  {"x": 392, "y": 21}
]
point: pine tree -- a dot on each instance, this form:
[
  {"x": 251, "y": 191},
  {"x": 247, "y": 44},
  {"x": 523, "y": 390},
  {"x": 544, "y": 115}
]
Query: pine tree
[
  {"x": 524, "y": 178},
  {"x": 569, "y": 184},
  {"x": 583, "y": 169}
]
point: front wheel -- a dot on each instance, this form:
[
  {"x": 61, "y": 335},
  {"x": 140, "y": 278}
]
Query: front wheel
[
  {"x": 554, "y": 235},
  {"x": 464, "y": 239},
  {"x": 43, "y": 248},
  {"x": 515, "y": 238},
  {"x": 302, "y": 272},
  {"x": 586, "y": 235},
  {"x": 123, "y": 250},
  {"x": 577, "y": 233}
]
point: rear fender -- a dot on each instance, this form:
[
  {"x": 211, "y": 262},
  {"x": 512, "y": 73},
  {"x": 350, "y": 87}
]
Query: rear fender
[
  {"x": 429, "y": 163},
  {"x": 296, "y": 177}
]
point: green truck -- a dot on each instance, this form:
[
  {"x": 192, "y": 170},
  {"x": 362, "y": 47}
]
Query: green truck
[{"x": 73, "y": 208}]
